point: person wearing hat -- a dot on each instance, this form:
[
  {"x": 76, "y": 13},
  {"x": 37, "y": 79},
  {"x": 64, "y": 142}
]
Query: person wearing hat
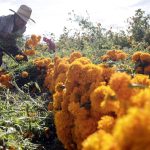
[{"x": 12, "y": 27}]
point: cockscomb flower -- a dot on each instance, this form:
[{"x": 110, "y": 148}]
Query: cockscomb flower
[
  {"x": 61, "y": 78},
  {"x": 145, "y": 57},
  {"x": 147, "y": 70},
  {"x": 74, "y": 56},
  {"x": 141, "y": 80},
  {"x": 33, "y": 41},
  {"x": 75, "y": 72},
  {"x": 19, "y": 57},
  {"x": 132, "y": 131},
  {"x": 5, "y": 80},
  {"x": 77, "y": 111},
  {"x": 104, "y": 57},
  {"x": 139, "y": 70},
  {"x": 120, "y": 83},
  {"x": 62, "y": 66},
  {"x": 142, "y": 98},
  {"x": 107, "y": 72},
  {"x": 99, "y": 140},
  {"x": 100, "y": 94},
  {"x": 93, "y": 74},
  {"x": 64, "y": 123},
  {"x": 57, "y": 99},
  {"x": 29, "y": 52},
  {"x": 106, "y": 123},
  {"x": 112, "y": 54},
  {"x": 42, "y": 62},
  {"x": 136, "y": 56},
  {"x": 121, "y": 56},
  {"x": 83, "y": 60},
  {"x": 84, "y": 128}
]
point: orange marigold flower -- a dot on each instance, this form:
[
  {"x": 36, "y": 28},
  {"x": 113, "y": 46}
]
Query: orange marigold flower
[
  {"x": 24, "y": 74},
  {"x": 19, "y": 57}
]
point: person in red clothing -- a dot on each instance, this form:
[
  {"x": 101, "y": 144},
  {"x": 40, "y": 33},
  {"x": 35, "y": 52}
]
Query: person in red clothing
[
  {"x": 12, "y": 27},
  {"x": 50, "y": 43}
]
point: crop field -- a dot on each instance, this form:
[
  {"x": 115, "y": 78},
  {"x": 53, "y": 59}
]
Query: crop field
[{"x": 91, "y": 93}]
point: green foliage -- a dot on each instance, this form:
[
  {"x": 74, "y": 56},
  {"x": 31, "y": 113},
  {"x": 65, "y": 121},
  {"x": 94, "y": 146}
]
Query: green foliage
[
  {"x": 139, "y": 26},
  {"x": 90, "y": 36}
]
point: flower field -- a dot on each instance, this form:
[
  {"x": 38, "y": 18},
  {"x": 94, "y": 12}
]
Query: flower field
[
  {"x": 72, "y": 103},
  {"x": 87, "y": 94}
]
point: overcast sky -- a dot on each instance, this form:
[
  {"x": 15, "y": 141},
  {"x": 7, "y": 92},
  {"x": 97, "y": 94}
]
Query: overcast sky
[{"x": 52, "y": 15}]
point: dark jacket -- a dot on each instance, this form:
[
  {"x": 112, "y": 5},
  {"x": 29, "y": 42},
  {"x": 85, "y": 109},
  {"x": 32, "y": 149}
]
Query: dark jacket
[{"x": 6, "y": 27}]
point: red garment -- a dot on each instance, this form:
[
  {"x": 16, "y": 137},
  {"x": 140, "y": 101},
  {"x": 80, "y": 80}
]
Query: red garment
[{"x": 50, "y": 43}]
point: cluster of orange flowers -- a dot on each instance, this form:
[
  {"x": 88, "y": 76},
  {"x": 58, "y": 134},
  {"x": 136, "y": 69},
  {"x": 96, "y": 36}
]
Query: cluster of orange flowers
[
  {"x": 114, "y": 55},
  {"x": 5, "y": 79},
  {"x": 96, "y": 107},
  {"x": 29, "y": 52},
  {"x": 32, "y": 43},
  {"x": 142, "y": 62},
  {"x": 42, "y": 62},
  {"x": 19, "y": 57}
]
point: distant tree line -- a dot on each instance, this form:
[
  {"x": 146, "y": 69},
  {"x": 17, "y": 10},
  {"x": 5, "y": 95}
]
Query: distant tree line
[{"x": 94, "y": 36}]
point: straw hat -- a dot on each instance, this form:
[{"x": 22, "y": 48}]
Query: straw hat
[{"x": 24, "y": 12}]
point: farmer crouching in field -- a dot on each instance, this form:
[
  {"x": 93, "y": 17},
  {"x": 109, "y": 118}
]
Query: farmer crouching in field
[
  {"x": 51, "y": 45},
  {"x": 12, "y": 27}
]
